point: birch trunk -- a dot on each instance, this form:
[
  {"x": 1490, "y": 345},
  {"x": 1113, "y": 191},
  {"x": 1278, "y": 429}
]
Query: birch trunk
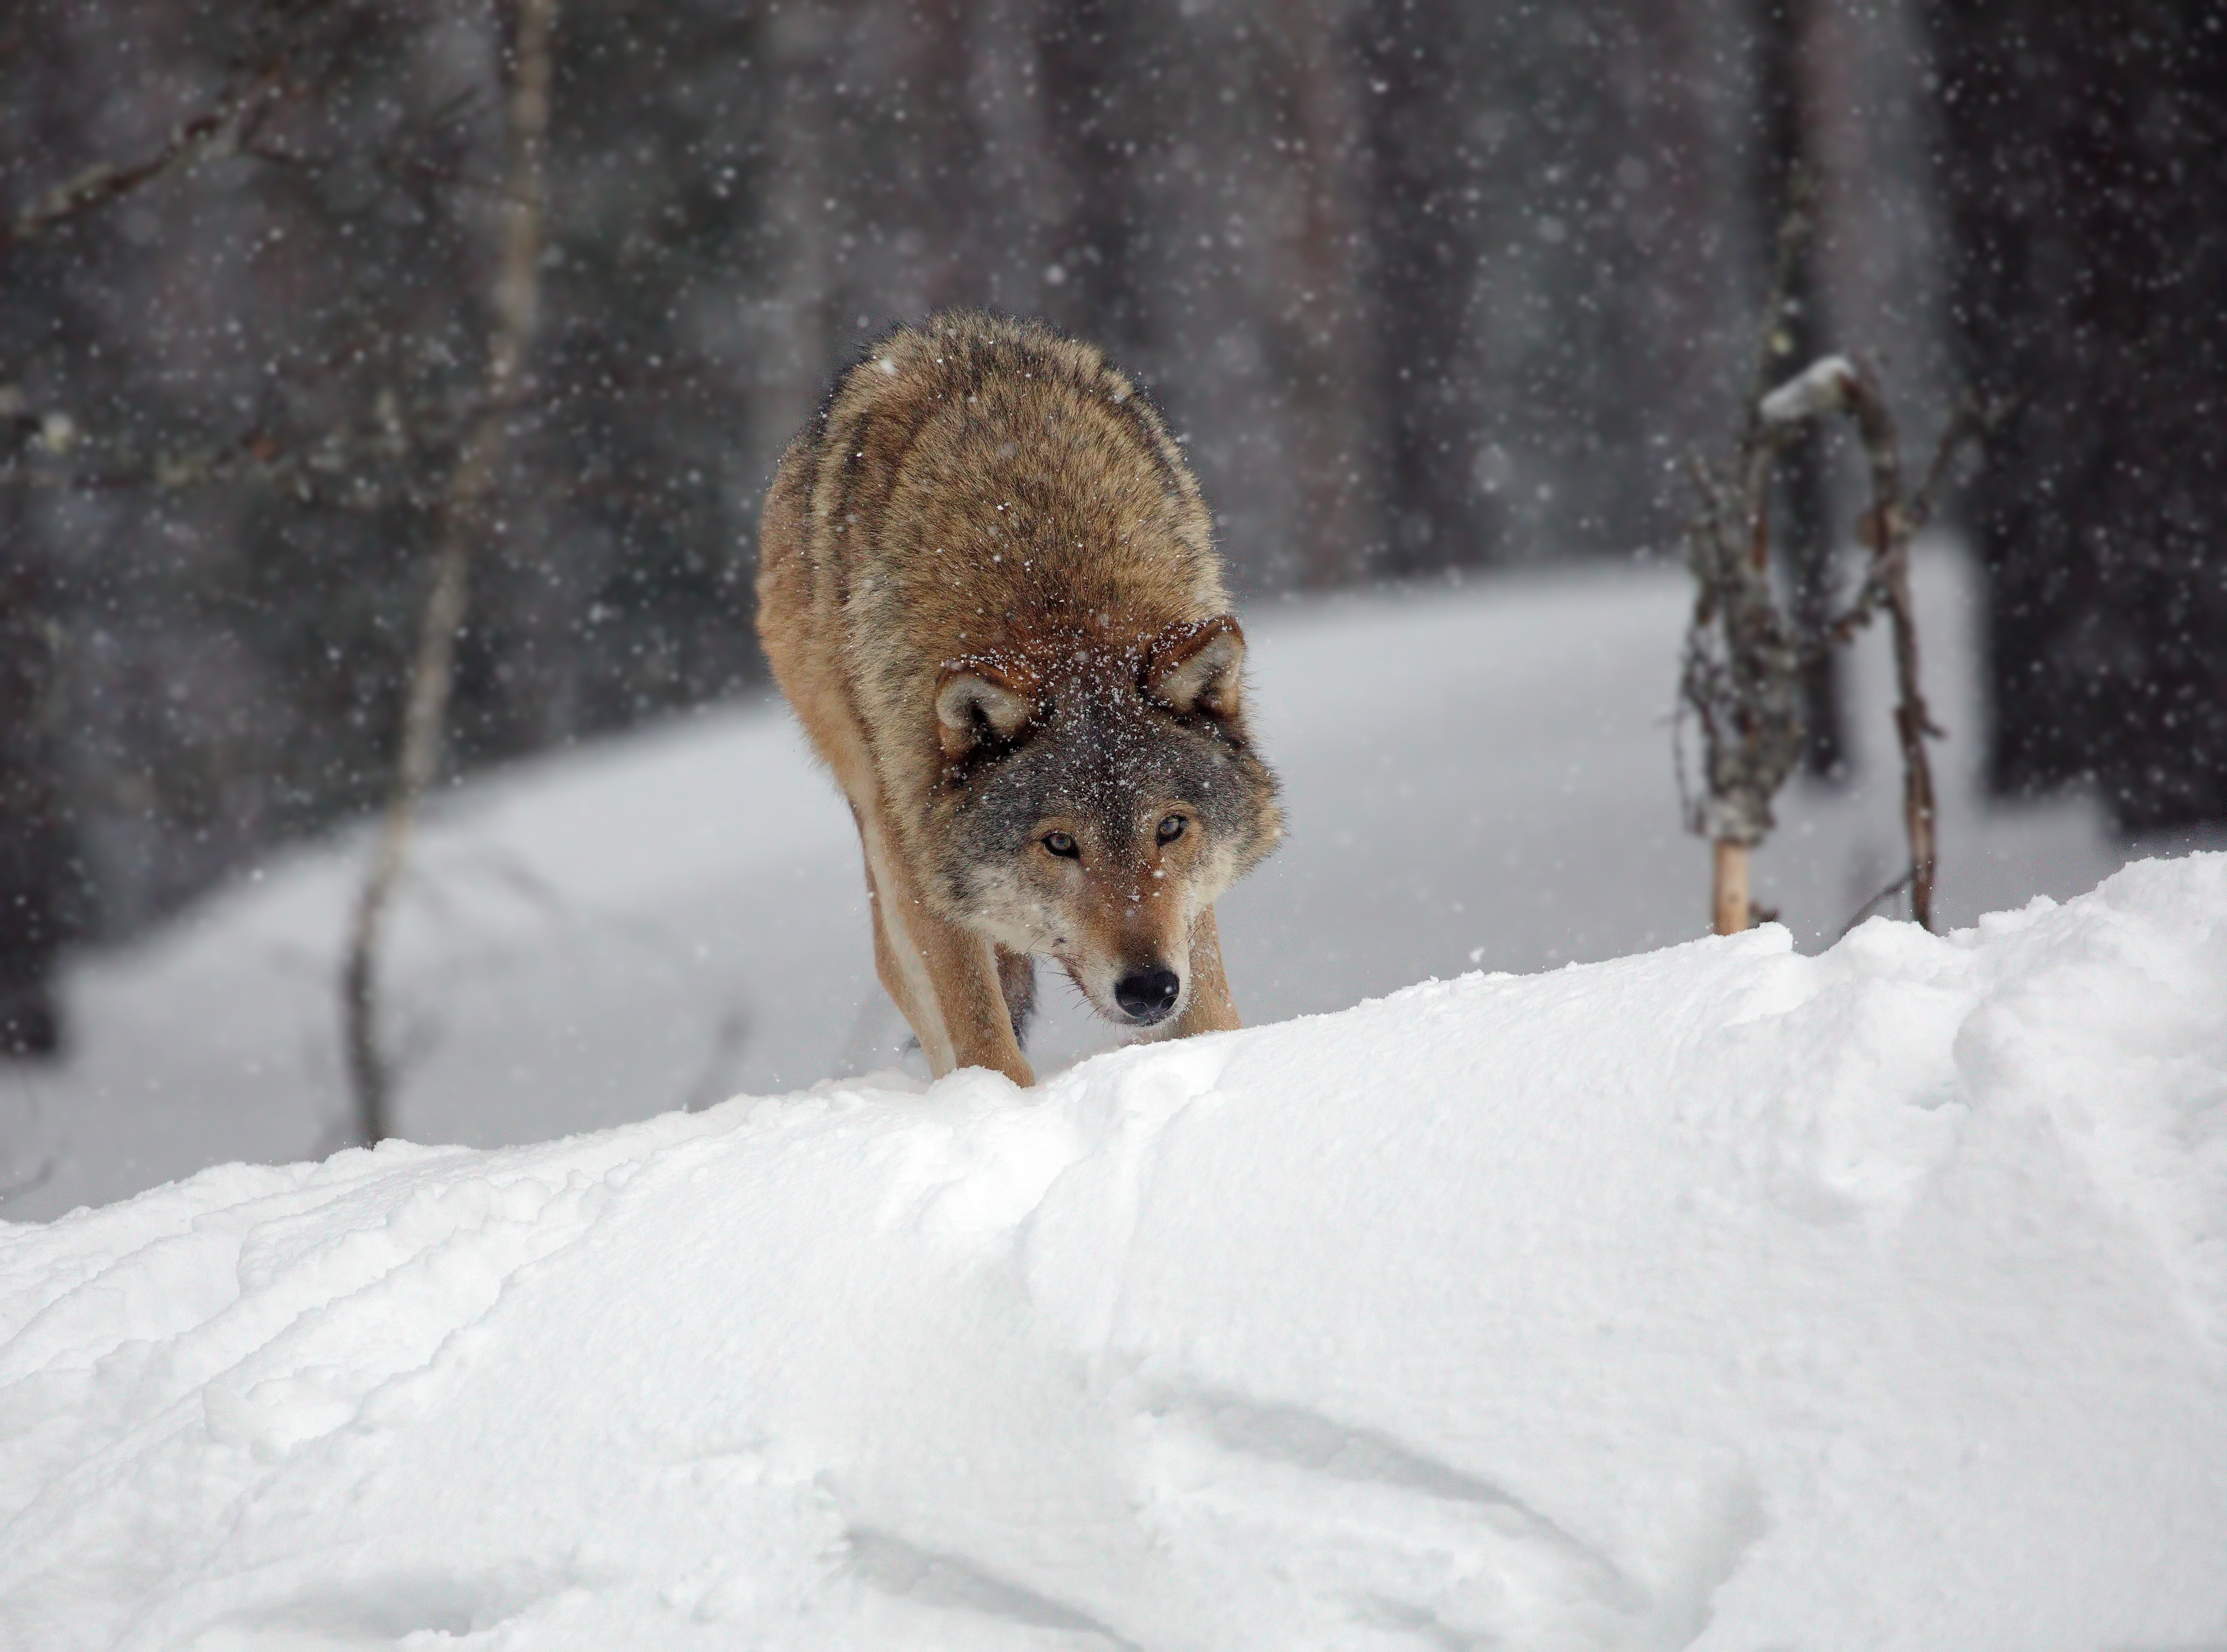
[{"x": 1732, "y": 912}]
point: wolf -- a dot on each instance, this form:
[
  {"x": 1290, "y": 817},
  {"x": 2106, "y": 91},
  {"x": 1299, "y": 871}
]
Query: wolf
[{"x": 988, "y": 586}]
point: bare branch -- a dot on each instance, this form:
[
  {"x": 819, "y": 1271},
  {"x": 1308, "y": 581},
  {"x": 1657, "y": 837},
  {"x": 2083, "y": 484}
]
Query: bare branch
[
  {"x": 218, "y": 131},
  {"x": 465, "y": 522},
  {"x": 1975, "y": 419},
  {"x": 1888, "y": 526},
  {"x": 359, "y": 464},
  {"x": 1741, "y": 671},
  {"x": 265, "y": 79},
  {"x": 1867, "y": 909}
]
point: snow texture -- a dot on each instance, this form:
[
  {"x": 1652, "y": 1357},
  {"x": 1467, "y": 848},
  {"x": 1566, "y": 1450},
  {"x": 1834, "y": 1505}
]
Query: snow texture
[{"x": 1718, "y": 1296}]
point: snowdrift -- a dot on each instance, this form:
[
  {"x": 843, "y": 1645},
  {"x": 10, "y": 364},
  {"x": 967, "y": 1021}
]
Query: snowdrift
[{"x": 1718, "y": 1296}]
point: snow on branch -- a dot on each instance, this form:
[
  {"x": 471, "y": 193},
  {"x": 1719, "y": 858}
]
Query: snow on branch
[{"x": 1820, "y": 388}]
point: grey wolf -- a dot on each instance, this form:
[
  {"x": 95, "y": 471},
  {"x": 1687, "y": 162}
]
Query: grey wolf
[{"x": 988, "y": 586}]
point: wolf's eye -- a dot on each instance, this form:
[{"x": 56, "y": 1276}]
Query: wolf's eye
[
  {"x": 1173, "y": 827},
  {"x": 1061, "y": 843}
]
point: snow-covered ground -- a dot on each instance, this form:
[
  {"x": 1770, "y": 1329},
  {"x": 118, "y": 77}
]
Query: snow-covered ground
[
  {"x": 1719, "y": 1296},
  {"x": 1475, "y": 778},
  {"x": 1715, "y": 1295}
]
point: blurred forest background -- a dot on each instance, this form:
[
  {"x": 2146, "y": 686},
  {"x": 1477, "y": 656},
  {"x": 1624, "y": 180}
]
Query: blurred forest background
[{"x": 1427, "y": 285}]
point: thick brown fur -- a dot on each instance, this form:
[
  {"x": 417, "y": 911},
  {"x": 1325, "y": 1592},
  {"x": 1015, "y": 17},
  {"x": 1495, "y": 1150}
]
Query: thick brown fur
[{"x": 988, "y": 586}]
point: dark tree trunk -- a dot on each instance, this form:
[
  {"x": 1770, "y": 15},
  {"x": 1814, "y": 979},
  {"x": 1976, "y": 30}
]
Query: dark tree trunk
[
  {"x": 37, "y": 857},
  {"x": 2088, "y": 202},
  {"x": 1804, "y": 506},
  {"x": 1426, "y": 241},
  {"x": 1091, "y": 51}
]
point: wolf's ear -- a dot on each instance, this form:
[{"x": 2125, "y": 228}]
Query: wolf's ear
[
  {"x": 1197, "y": 666},
  {"x": 976, "y": 704}
]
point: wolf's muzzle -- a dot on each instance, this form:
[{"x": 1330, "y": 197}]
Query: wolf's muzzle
[{"x": 1147, "y": 996}]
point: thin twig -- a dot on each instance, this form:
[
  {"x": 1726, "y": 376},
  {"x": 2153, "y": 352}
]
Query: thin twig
[
  {"x": 465, "y": 521},
  {"x": 1888, "y": 526},
  {"x": 24, "y": 1186},
  {"x": 1975, "y": 419},
  {"x": 32, "y": 1180},
  {"x": 1865, "y": 910},
  {"x": 307, "y": 463},
  {"x": 219, "y": 130}
]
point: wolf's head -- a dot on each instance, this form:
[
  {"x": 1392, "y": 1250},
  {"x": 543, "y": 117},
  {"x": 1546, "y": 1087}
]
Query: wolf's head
[{"x": 1099, "y": 800}]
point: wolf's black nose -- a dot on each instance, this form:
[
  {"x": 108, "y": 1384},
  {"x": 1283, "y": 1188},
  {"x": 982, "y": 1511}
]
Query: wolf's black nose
[{"x": 1149, "y": 994}]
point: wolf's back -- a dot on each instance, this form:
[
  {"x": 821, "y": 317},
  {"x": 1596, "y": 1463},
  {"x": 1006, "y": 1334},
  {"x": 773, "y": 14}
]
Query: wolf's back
[
  {"x": 988, "y": 586},
  {"x": 974, "y": 488}
]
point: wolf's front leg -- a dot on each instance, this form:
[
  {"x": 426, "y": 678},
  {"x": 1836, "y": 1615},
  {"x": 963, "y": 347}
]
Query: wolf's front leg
[
  {"x": 1209, "y": 1009},
  {"x": 943, "y": 977},
  {"x": 972, "y": 997}
]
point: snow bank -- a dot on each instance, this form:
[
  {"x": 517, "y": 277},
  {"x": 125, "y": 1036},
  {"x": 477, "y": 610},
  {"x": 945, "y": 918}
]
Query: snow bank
[{"x": 1718, "y": 1296}]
